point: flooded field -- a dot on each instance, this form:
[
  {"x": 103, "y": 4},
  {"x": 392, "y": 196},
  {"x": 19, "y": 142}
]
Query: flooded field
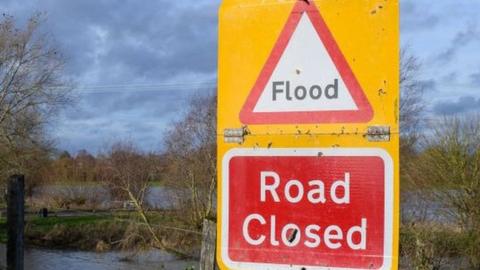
[{"x": 156, "y": 198}]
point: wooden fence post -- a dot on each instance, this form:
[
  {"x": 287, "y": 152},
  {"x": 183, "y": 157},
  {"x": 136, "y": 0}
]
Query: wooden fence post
[
  {"x": 15, "y": 222},
  {"x": 209, "y": 238}
]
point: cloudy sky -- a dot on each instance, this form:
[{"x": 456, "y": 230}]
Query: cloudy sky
[{"x": 136, "y": 63}]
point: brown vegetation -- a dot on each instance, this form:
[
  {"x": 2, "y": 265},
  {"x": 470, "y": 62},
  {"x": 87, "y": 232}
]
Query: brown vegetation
[
  {"x": 31, "y": 89},
  {"x": 440, "y": 170},
  {"x": 108, "y": 231},
  {"x": 191, "y": 160},
  {"x": 447, "y": 170}
]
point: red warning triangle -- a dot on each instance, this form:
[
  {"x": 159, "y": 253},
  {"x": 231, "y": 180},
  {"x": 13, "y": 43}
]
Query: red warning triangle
[{"x": 306, "y": 78}]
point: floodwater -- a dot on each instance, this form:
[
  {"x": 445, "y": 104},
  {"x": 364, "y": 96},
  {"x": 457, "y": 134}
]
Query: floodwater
[
  {"x": 156, "y": 197},
  {"x": 416, "y": 207},
  {"x": 43, "y": 259}
]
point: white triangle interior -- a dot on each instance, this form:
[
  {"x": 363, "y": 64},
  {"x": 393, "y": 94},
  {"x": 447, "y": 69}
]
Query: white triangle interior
[{"x": 305, "y": 62}]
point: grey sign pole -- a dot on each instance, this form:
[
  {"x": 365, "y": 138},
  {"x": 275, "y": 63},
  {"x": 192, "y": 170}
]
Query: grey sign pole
[
  {"x": 15, "y": 222},
  {"x": 209, "y": 237}
]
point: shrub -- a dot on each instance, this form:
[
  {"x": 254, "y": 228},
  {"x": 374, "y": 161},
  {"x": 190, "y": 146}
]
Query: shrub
[{"x": 431, "y": 247}]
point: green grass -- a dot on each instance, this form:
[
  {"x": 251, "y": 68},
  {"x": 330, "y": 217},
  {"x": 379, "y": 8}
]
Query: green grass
[
  {"x": 3, "y": 230},
  {"x": 40, "y": 226},
  {"x": 63, "y": 183},
  {"x": 86, "y": 232},
  {"x": 157, "y": 183},
  {"x": 44, "y": 225},
  {"x": 49, "y": 223}
]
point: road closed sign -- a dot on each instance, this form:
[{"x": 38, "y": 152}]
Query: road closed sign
[
  {"x": 308, "y": 135},
  {"x": 307, "y": 209}
]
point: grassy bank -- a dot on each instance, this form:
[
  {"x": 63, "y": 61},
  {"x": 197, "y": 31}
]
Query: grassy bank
[
  {"x": 106, "y": 231},
  {"x": 422, "y": 246},
  {"x": 436, "y": 246}
]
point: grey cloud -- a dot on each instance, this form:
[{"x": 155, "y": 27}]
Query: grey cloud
[
  {"x": 138, "y": 115},
  {"x": 475, "y": 79},
  {"x": 102, "y": 131},
  {"x": 428, "y": 85},
  {"x": 462, "y": 38},
  {"x": 164, "y": 44},
  {"x": 140, "y": 127},
  {"x": 121, "y": 102},
  {"x": 159, "y": 103},
  {"x": 461, "y": 105},
  {"x": 120, "y": 42},
  {"x": 124, "y": 43},
  {"x": 450, "y": 77},
  {"x": 79, "y": 113},
  {"x": 414, "y": 18}
]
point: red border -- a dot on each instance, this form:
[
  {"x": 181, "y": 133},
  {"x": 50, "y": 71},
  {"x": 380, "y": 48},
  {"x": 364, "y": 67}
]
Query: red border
[{"x": 362, "y": 115}]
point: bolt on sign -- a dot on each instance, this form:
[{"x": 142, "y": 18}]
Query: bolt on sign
[{"x": 308, "y": 134}]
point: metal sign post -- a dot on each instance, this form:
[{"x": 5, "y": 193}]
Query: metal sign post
[{"x": 15, "y": 222}]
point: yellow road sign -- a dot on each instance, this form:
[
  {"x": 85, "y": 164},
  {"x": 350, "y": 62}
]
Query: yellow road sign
[{"x": 302, "y": 85}]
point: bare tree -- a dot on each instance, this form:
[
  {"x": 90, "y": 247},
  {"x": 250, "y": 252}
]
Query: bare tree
[
  {"x": 450, "y": 166},
  {"x": 448, "y": 173},
  {"x": 128, "y": 173},
  {"x": 31, "y": 89},
  {"x": 411, "y": 117},
  {"x": 411, "y": 100},
  {"x": 191, "y": 158}
]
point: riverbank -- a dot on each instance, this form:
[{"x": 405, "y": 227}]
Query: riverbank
[
  {"x": 435, "y": 246},
  {"x": 106, "y": 231},
  {"x": 48, "y": 259},
  {"x": 119, "y": 236}
]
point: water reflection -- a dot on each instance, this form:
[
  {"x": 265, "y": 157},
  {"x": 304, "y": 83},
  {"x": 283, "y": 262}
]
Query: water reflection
[
  {"x": 156, "y": 198},
  {"x": 42, "y": 259}
]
